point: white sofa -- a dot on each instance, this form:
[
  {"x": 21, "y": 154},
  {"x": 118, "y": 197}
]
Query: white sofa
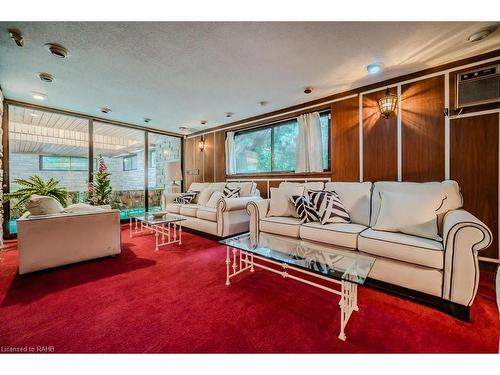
[
  {"x": 55, "y": 240},
  {"x": 446, "y": 269},
  {"x": 227, "y": 218}
]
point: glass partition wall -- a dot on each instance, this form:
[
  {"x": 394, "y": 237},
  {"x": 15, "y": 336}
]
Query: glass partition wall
[{"x": 54, "y": 145}]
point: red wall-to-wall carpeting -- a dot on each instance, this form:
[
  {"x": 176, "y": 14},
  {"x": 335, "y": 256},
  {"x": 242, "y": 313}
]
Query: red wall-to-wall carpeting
[{"x": 175, "y": 301}]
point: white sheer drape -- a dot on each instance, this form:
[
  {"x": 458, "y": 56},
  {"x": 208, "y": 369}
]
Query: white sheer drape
[
  {"x": 309, "y": 145},
  {"x": 230, "y": 153}
]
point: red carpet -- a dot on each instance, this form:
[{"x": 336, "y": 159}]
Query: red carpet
[{"x": 175, "y": 301}]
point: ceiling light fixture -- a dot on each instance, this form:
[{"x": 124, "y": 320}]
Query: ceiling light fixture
[
  {"x": 105, "y": 110},
  {"x": 374, "y": 68},
  {"x": 33, "y": 114},
  {"x": 263, "y": 103},
  {"x": 45, "y": 77},
  {"x": 308, "y": 90},
  {"x": 38, "y": 95},
  {"x": 17, "y": 37},
  {"x": 203, "y": 122},
  {"x": 229, "y": 114},
  {"x": 201, "y": 144},
  {"x": 57, "y": 50},
  {"x": 147, "y": 120},
  {"x": 481, "y": 34}
]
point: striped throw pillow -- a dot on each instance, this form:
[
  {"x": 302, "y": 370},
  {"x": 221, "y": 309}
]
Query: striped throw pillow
[
  {"x": 187, "y": 197},
  {"x": 305, "y": 208},
  {"x": 329, "y": 207},
  {"x": 231, "y": 192}
]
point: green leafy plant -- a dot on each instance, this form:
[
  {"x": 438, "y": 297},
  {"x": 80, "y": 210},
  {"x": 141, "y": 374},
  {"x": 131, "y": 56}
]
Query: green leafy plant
[
  {"x": 36, "y": 185},
  {"x": 100, "y": 190}
]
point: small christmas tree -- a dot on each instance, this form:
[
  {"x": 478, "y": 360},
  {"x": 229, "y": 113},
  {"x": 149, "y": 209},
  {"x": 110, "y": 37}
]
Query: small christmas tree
[{"x": 100, "y": 189}]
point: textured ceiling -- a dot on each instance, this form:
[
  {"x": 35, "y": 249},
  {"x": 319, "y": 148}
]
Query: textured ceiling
[{"x": 181, "y": 73}]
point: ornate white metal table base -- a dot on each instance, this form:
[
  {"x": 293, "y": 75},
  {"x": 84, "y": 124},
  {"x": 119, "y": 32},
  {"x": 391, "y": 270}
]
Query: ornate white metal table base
[
  {"x": 165, "y": 234},
  {"x": 243, "y": 261}
]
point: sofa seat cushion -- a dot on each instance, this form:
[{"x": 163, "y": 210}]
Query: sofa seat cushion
[
  {"x": 404, "y": 247},
  {"x": 173, "y": 208},
  {"x": 189, "y": 209},
  {"x": 339, "y": 234},
  {"x": 207, "y": 213},
  {"x": 286, "y": 226}
]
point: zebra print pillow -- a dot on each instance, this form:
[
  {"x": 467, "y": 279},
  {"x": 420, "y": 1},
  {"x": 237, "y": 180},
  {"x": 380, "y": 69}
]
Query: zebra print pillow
[
  {"x": 305, "y": 208},
  {"x": 187, "y": 197},
  {"x": 329, "y": 207},
  {"x": 231, "y": 193}
]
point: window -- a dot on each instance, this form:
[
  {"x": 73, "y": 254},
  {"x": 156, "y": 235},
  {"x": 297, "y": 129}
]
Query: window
[
  {"x": 63, "y": 163},
  {"x": 130, "y": 163},
  {"x": 152, "y": 159},
  {"x": 273, "y": 148}
]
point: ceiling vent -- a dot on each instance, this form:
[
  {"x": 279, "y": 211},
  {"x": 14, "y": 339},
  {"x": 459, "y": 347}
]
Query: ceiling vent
[
  {"x": 46, "y": 77},
  {"x": 105, "y": 110},
  {"x": 57, "y": 50}
]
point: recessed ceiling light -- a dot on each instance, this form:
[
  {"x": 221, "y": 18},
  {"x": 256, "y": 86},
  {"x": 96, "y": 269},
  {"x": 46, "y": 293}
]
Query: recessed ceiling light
[
  {"x": 33, "y": 114},
  {"x": 45, "y": 77},
  {"x": 374, "y": 68},
  {"x": 481, "y": 34},
  {"x": 229, "y": 114},
  {"x": 57, "y": 50},
  {"x": 308, "y": 90},
  {"x": 203, "y": 122},
  {"x": 105, "y": 110},
  {"x": 38, "y": 95},
  {"x": 263, "y": 103},
  {"x": 147, "y": 120}
]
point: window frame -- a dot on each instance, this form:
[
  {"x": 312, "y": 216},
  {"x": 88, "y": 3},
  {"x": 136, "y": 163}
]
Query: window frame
[
  {"x": 130, "y": 157},
  {"x": 278, "y": 124},
  {"x": 42, "y": 169}
]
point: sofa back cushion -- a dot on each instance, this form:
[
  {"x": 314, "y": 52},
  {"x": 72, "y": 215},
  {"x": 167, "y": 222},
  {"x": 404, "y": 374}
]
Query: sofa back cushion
[
  {"x": 217, "y": 186},
  {"x": 247, "y": 188},
  {"x": 312, "y": 185},
  {"x": 355, "y": 196},
  {"x": 281, "y": 204},
  {"x": 448, "y": 189}
]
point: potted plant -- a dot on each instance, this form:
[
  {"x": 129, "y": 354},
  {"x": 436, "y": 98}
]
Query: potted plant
[{"x": 35, "y": 185}]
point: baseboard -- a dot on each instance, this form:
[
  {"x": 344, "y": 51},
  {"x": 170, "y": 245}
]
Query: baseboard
[{"x": 453, "y": 309}]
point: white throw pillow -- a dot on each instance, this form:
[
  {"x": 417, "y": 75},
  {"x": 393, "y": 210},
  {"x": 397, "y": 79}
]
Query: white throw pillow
[
  {"x": 83, "y": 207},
  {"x": 280, "y": 204},
  {"x": 43, "y": 205},
  {"x": 204, "y": 196},
  {"x": 198, "y": 187},
  {"x": 212, "y": 202},
  {"x": 247, "y": 188},
  {"x": 414, "y": 214}
]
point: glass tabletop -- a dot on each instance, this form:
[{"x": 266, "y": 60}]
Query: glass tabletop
[
  {"x": 154, "y": 220},
  {"x": 325, "y": 260}
]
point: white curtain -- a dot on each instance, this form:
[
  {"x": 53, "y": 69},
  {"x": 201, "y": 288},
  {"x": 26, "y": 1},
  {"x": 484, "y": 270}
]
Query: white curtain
[
  {"x": 309, "y": 144},
  {"x": 230, "y": 153}
]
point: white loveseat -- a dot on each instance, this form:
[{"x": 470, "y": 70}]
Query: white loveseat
[
  {"x": 48, "y": 241},
  {"x": 446, "y": 269},
  {"x": 227, "y": 217}
]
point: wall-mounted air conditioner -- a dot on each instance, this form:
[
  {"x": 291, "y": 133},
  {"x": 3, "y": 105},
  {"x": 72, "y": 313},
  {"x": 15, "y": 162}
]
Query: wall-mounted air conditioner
[{"x": 479, "y": 86}]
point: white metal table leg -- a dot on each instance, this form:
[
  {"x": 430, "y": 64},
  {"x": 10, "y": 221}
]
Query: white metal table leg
[
  {"x": 157, "y": 236},
  {"x": 130, "y": 227},
  {"x": 228, "y": 261},
  {"x": 180, "y": 232}
]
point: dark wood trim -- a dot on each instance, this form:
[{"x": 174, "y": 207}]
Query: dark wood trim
[
  {"x": 453, "y": 309},
  {"x": 280, "y": 175},
  {"x": 91, "y": 151},
  {"x": 320, "y": 102},
  {"x": 5, "y": 167},
  {"x": 88, "y": 117}
]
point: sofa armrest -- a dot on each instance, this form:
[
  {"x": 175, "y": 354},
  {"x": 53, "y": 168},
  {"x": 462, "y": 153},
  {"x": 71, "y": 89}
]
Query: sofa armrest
[
  {"x": 464, "y": 236},
  {"x": 233, "y": 204},
  {"x": 168, "y": 198},
  {"x": 257, "y": 210}
]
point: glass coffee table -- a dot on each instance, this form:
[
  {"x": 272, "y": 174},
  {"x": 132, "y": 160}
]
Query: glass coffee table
[
  {"x": 167, "y": 228},
  {"x": 293, "y": 258}
]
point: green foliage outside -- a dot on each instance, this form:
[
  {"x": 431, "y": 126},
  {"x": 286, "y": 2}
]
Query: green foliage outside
[{"x": 100, "y": 190}]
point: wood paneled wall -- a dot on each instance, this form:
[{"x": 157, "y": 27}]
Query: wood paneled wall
[
  {"x": 414, "y": 144},
  {"x": 379, "y": 141},
  {"x": 345, "y": 140}
]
